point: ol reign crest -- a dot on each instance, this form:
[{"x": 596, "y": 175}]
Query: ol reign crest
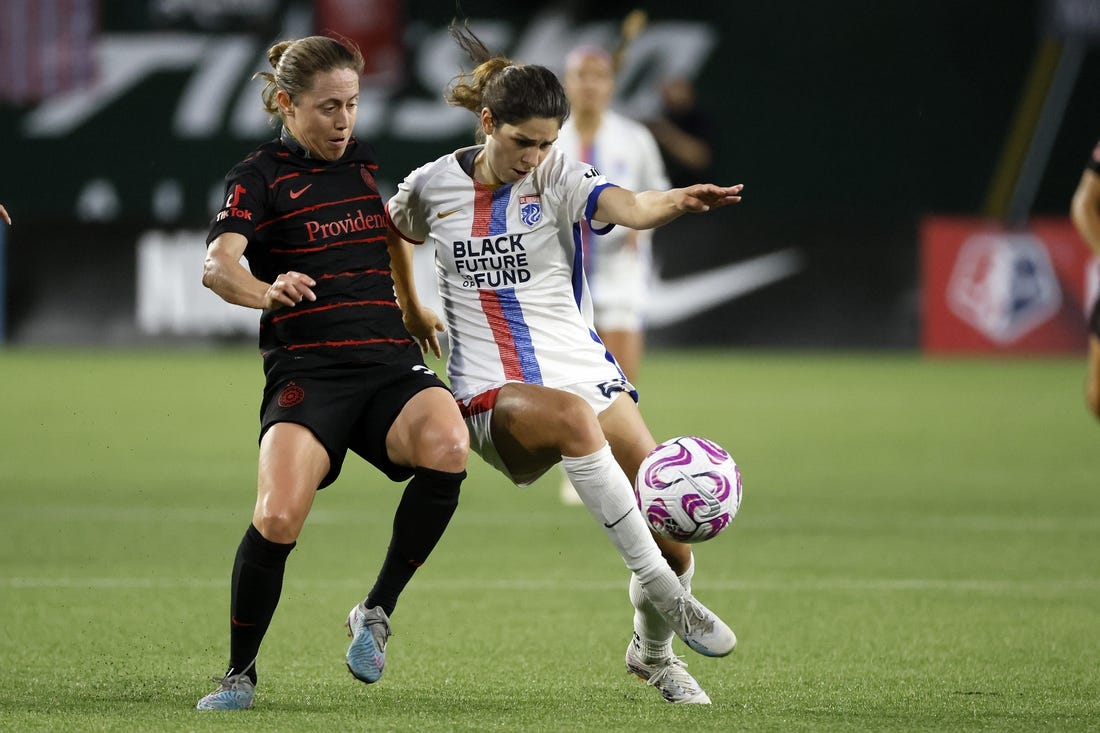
[{"x": 530, "y": 210}]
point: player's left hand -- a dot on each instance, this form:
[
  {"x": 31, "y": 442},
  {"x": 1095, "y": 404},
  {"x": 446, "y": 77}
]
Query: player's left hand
[
  {"x": 424, "y": 325},
  {"x": 706, "y": 196}
]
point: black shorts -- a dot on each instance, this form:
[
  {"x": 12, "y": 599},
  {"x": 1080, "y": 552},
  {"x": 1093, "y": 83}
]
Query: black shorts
[
  {"x": 348, "y": 407},
  {"x": 1094, "y": 319}
]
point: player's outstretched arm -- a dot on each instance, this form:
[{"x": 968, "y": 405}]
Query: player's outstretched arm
[
  {"x": 422, "y": 323},
  {"x": 1085, "y": 209},
  {"x": 650, "y": 209}
]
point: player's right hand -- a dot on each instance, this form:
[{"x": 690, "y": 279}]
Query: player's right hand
[
  {"x": 424, "y": 325},
  {"x": 288, "y": 290}
]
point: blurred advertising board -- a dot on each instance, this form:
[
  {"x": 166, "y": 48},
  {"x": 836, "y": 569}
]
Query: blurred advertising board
[{"x": 987, "y": 288}]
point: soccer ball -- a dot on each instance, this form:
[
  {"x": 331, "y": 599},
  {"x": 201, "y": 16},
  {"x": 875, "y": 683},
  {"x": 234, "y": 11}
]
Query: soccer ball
[{"x": 689, "y": 489}]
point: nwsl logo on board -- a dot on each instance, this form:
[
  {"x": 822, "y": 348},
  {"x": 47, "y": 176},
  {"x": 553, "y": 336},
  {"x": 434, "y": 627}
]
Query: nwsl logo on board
[
  {"x": 530, "y": 210},
  {"x": 1004, "y": 285}
]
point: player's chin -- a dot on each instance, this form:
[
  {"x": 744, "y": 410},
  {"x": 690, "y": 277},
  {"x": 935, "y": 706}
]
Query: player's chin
[{"x": 334, "y": 150}]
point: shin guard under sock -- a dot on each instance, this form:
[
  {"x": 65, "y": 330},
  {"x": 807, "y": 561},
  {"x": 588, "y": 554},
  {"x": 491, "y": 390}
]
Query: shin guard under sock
[
  {"x": 609, "y": 498},
  {"x": 257, "y": 585},
  {"x": 426, "y": 508}
]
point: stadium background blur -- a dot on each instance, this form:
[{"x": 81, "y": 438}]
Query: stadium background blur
[{"x": 849, "y": 122}]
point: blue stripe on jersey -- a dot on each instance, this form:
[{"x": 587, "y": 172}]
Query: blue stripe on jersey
[
  {"x": 498, "y": 222},
  {"x": 590, "y": 208},
  {"x": 521, "y": 335},
  {"x": 578, "y": 263}
]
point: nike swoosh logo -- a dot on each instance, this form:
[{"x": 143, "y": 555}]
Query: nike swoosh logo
[
  {"x": 445, "y": 214},
  {"x": 670, "y": 301},
  {"x": 235, "y": 622},
  {"x": 300, "y": 191},
  {"x": 609, "y": 526}
]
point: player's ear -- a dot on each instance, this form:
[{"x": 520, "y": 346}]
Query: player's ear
[
  {"x": 487, "y": 121},
  {"x": 285, "y": 103}
]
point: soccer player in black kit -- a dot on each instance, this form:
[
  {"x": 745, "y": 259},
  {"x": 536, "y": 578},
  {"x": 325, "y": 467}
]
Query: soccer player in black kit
[
  {"x": 1085, "y": 212},
  {"x": 342, "y": 370}
]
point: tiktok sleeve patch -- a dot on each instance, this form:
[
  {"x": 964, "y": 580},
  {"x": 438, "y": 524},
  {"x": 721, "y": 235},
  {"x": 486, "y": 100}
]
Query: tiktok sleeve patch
[{"x": 242, "y": 207}]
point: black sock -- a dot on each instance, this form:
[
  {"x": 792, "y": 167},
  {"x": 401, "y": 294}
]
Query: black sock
[
  {"x": 257, "y": 585},
  {"x": 425, "y": 510}
]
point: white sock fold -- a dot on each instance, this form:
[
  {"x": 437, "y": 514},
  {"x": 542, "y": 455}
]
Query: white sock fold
[
  {"x": 654, "y": 632},
  {"x": 609, "y": 497}
]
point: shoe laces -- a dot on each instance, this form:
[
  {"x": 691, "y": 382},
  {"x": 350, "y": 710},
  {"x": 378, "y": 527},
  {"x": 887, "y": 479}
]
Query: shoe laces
[
  {"x": 235, "y": 681},
  {"x": 378, "y": 627},
  {"x": 692, "y": 615},
  {"x": 672, "y": 669}
]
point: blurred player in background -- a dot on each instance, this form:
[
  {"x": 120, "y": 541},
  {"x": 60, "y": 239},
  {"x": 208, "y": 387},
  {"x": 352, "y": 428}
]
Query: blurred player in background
[
  {"x": 617, "y": 264},
  {"x": 684, "y": 134},
  {"x": 533, "y": 380},
  {"x": 1085, "y": 211},
  {"x": 341, "y": 370}
]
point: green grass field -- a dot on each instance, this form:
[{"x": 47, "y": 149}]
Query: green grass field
[{"x": 918, "y": 549}]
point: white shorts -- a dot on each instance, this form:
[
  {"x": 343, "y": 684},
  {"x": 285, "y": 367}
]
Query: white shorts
[
  {"x": 619, "y": 289},
  {"x": 478, "y": 413}
]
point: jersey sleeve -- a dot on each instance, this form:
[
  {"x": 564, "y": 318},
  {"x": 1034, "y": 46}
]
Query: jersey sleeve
[
  {"x": 579, "y": 186},
  {"x": 405, "y": 211},
  {"x": 243, "y": 206}
]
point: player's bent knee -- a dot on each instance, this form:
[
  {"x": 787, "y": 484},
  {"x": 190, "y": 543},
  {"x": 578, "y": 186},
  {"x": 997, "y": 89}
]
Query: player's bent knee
[
  {"x": 281, "y": 527},
  {"x": 443, "y": 446}
]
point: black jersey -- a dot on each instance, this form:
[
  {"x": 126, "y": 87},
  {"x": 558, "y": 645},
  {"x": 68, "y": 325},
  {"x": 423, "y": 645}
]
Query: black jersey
[{"x": 324, "y": 219}]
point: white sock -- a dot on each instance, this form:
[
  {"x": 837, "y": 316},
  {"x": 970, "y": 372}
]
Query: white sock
[
  {"x": 609, "y": 497},
  {"x": 654, "y": 632}
]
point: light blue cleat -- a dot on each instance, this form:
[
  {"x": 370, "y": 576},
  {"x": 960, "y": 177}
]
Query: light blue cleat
[
  {"x": 369, "y": 629},
  {"x": 235, "y": 692}
]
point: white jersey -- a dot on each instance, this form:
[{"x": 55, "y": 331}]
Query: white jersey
[
  {"x": 625, "y": 152},
  {"x": 509, "y": 271}
]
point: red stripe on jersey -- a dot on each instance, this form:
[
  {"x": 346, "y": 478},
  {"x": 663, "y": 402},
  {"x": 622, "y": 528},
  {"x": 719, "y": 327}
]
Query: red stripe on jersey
[
  {"x": 502, "y": 334},
  {"x": 310, "y": 311},
  {"x": 350, "y": 342},
  {"x": 483, "y": 210},
  {"x": 288, "y": 176},
  {"x": 478, "y": 403},
  {"x": 353, "y": 273},
  {"x": 306, "y": 209},
  {"x": 341, "y": 243}
]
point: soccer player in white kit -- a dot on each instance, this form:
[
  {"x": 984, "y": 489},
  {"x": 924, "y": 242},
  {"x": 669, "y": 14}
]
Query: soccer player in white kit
[{"x": 531, "y": 377}]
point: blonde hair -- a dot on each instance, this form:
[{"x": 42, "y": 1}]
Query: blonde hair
[{"x": 296, "y": 62}]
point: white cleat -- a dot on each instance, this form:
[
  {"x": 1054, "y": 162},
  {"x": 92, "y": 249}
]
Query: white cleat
[
  {"x": 668, "y": 675},
  {"x": 699, "y": 627}
]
